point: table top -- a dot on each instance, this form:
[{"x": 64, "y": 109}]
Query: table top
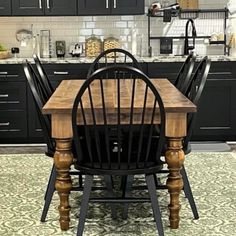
[{"x": 63, "y": 98}]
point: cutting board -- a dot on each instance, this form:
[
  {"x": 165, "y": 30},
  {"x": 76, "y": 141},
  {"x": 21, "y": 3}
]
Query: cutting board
[{"x": 188, "y": 4}]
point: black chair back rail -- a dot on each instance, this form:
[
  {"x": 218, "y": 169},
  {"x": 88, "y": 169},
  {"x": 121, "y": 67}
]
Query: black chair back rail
[
  {"x": 106, "y": 145},
  {"x": 40, "y": 98},
  {"x": 183, "y": 79},
  {"x": 194, "y": 92},
  {"x": 44, "y": 78},
  {"x": 114, "y": 56}
]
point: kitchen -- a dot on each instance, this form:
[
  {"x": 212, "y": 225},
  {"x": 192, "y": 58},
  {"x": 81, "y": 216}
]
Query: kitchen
[{"x": 131, "y": 31}]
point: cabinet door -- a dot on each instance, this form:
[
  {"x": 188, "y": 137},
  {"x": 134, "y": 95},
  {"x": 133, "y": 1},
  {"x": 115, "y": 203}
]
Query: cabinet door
[
  {"x": 124, "y": 7},
  {"x": 217, "y": 108},
  {"x": 5, "y": 7},
  {"x": 27, "y": 7},
  {"x": 13, "y": 122},
  {"x": 93, "y": 7},
  {"x": 61, "y": 7},
  {"x": 34, "y": 127},
  {"x": 217, "y": 111},
  {"x": 165, "y": 70}
]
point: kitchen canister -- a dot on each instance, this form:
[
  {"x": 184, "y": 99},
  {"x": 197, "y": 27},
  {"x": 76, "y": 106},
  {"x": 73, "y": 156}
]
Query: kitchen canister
[
  {"x": 45, "y": 44},
  {"x": 93, "y": 46},
  {"x": 110, "y": 43}
]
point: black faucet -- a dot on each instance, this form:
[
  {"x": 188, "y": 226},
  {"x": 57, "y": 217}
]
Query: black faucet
[{"x": 187, "y": 47}]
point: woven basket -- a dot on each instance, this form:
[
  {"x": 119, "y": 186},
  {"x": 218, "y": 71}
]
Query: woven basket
[{"x": 4, "y": 54}]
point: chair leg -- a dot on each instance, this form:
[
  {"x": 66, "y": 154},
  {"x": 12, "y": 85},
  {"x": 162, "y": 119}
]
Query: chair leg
[
  {"x": 154, "y": 202},
  {"x": 53, "y": 170},
  {"x": 157, "y": 180},
  {"x": 80, "y": 180},
  {"x": 123, "y": 182},
  {"x": 127, "y": 186},
  {"x": 109, "y": 185},
  {"x": 84, "y": 204},
  {"x": 188, "y": 193},
  {"x": 49, "y": 193}
]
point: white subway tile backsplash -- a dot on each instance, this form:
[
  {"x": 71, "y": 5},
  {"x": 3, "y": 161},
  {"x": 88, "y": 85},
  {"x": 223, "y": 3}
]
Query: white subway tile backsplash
[
  {"x": 120, "y": 24},
  {"x": 90, "y": 25},
  {"x": 99, "y": 18},
  {"x": 78, "y": 28},
  {"x": 98, "y": 32},
  {"x": 85, "y": 32},
  {"x": 127, "y": 18},
  {"x": 131, "y": 24}
]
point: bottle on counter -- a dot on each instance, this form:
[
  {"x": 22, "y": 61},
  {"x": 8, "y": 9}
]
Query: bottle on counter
[{"x": 36, "y": 45}]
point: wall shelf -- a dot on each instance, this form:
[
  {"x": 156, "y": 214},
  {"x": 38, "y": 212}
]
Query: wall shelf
[
  {"x": 217, "y": 42},
  {"x": 193, "y": 14}
]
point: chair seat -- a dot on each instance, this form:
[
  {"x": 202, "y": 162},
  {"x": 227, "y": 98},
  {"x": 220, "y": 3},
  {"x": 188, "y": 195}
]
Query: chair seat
[{"x": 96, "y": 169}]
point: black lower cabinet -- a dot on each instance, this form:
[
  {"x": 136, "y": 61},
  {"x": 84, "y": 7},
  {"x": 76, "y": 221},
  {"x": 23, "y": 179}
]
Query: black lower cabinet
[
  {"x": 216, "y": 113},
  {"x": 166, "y": 70},
  {"x": 13, "y": 108},
  {"x": 216, "y": 118}
]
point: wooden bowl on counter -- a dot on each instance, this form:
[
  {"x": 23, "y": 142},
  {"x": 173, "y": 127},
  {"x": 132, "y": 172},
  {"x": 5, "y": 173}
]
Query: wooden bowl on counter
[{"x": 5, "y": 54}]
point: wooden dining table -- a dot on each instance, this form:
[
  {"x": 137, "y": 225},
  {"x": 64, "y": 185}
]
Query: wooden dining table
[{"x": 59, "y": 106}]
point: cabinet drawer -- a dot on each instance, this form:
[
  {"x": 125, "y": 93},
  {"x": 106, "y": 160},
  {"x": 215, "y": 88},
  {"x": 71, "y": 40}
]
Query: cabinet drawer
[
  {"x": 13, "y": 124},
  {"x": 12, "y": 95},
  {"x": 67, "y": 71},
  {"x": 222, "y": 70},
  {"x": 11, "y": 72}
]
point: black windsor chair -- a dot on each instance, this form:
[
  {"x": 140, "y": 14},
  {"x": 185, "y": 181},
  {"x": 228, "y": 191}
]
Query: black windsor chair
[
  {"x": 113, "y": 56},
  {"x": 95, "y": 149},
  {"x": 193, "y": 92},
  {"x": 185, "y": 73},
  {"x": 40, "y": 98}
]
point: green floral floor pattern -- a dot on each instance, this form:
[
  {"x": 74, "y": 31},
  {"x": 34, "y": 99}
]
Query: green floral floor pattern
[{"x": 24, "y": 177}]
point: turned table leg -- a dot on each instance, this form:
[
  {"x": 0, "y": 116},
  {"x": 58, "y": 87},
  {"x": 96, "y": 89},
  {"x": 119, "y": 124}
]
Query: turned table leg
[
  {"x": 175, "y": 159},
  {"x": 63, "y": 159}
]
